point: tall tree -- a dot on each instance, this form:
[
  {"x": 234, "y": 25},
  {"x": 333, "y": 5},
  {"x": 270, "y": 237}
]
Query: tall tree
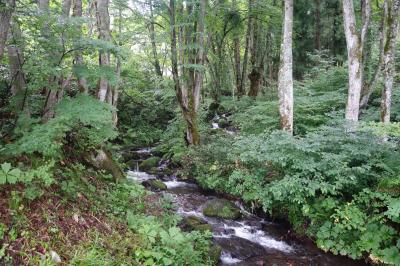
[
  {"x": 77, "y": 13},
  {"x": 285, "y": 78},
  {"x": 103, "y": 26},
  {"x": 355, "y": 41},
  {"x": 317, "y": 24},
  {"x": 6, "y": 10},
  {"x": 391, "y": 8},
  {"x": 16, "y": 60},
  {"x": 249, "y": 34},
  {"x": 257, "y": 56},
  {"x": 236, "y": 57},
  {"x": 152, "y": 32},
  {"x": 189, "y": 81}
]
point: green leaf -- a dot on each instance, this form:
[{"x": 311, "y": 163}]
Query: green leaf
[{"x": 6, "y": 167}]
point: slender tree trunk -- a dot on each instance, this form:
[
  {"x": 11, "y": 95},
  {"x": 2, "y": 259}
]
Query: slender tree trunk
[
  {"x": 16, "y": 60},
  {"x": 354, "y": 54},
  {"x": 249, "y": 34},
  {"x": 189, "y": 96},
  {"x": 82, "y": 83},
  {"x": 317, "y": 24},
  {"x": 152, "y": 31},
  {"x": 55, "y": 90},
  {"x": 257, "y": 59},
  {"x": 369, "y": 86},
  {"x": 236, "y": 57},
  {"x": 392, "y": 24},
  {"x": 6, "y": 10},
  {"x": 103, "y": 25},
  {"x": 285, "y": 79}
]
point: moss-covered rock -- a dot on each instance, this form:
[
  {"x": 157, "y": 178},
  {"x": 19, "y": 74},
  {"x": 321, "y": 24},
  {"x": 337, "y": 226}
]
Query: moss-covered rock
[
  {"x": 191, "y": 223},
  {"x": 149, "y": 163},
  {"x": 215, "y": 253},
  {"x": 155, "y": 184},
  {"x": 102, "y": 159},
  {"x": 221, "y": 208}
]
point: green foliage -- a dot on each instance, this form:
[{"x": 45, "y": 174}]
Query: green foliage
[
  {"x": 83, "y": 119},
  {"x": 361, "y": 226},
  {"x": 11, "y": 175},
  {"x": 324, "y": 181},
  {"x": 168, "y": 246},
  {"x": 319, "y": 101}
]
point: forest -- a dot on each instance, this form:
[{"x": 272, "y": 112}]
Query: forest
[{"x": 199, "y": 132}]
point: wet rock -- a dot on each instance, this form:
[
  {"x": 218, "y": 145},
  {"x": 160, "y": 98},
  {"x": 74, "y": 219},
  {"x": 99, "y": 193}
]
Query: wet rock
[
  {"x": 132, "y": 164},
  {"x": 149, "y": 163},
  {"x": 191, "y": 223},
  {"x": 223, "y": 123},
  {"x": 215, "y": 253},
  {"x": 240, "y": 248},
  {"x": 155, "y": 184},
  {"x": 221, "y": 208}
]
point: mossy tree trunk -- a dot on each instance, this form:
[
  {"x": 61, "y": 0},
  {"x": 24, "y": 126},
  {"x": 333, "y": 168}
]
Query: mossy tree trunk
[
  {"x": 391, "y": 8},
  {"x": 189, "y": 81}
]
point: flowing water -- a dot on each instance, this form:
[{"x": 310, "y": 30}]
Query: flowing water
[{"x": 248, "y": 241}]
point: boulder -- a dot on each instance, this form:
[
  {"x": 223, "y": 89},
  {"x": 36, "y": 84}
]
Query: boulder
[
  {"x": 221, "y": 208},
  {"x": 101, "y": 159},
  {"x": 149, "y": 163},
  {"x": 155, "y": 184},
  {"x": 191, "y": 223},
  {"x": 215, "y": 253}
]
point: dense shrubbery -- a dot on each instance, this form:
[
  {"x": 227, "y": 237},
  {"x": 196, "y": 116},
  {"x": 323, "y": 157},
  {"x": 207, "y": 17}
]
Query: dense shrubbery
[
  {"x": 83, "y": 121},
  {"x": 334, "y": 184}
]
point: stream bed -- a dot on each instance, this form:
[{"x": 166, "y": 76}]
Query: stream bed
[{"x": 250, "y": 240}]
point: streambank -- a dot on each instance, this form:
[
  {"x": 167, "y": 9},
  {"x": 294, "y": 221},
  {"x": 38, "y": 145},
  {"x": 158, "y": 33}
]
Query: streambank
[{"x": 247, "y": 240}]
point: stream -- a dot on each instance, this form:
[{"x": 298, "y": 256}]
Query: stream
[{"x": 250, "y": 240}]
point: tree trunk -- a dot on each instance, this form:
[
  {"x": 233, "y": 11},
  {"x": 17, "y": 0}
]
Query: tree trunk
[
  {"x": 317, "y": 24},
  {"x": 249, "y": 34},
  {"x": 354, "y": 54},
  {"x": 236, "y": 57},
  {"x": 6, "y": 10},
  {"x": 16, "y": 60},
  {"x": 188, "y": 95},
  {"x": 55, "y": 89},
  {"x": 82, "y": 83},
  {"x": 392, "y": 22},
  {"x": 152, "y": 31},
  {"x": 285, "y": 78},
  {"x": 369, "y": 86},
  {"x": 103, "y": 25}
]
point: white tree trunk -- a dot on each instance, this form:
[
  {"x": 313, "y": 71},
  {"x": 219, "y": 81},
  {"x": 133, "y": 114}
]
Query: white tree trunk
[
  {"x": 285, "y": 78},
  {"x": 392, "y": 22},
  {"x": 354, "y": 54}
]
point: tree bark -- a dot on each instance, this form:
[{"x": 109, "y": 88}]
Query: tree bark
[
  {"x": 369, "y": 86},
  {"x": 249, "y": 34},
  {"x": 188, "y": 95},
  {"x": 317, "y": 24},
  {"x": 392, "y": 24},
  {"x": 16, "y": 60},
  {"x": 354, "y": 54},
  {"x": 152, "y": 31},
  {"x": 103, "y": 25},
  {"x": 82, "y": 82},
  {"x": 55, "y": 89},
  {"x": 6, "y": 9},
  {"x": 285, "y": 78}
]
